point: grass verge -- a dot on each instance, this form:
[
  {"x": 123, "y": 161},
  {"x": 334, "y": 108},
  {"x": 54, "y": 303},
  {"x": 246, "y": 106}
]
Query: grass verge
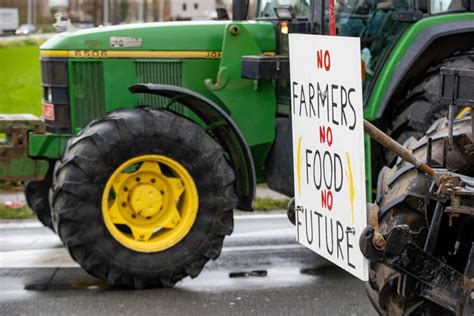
[
  {"x": 19, "y": 213},
  {"x": 269, "y": 204},
  {"x": 22, "y": 42},
  {"x": 20, "y": 88}
]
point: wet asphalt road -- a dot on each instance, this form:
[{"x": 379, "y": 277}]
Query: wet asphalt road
[{"x": 38, "y": 277}]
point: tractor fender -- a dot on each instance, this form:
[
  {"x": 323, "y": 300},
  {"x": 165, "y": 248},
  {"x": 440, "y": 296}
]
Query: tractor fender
[
  {"x": 424, "y": 49},
  {"x": 223, "y": 127}
]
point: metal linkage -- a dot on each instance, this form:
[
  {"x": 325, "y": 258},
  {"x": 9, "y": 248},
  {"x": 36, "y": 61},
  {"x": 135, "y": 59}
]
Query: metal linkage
[
  {"x": 442, "y": 284},
  {"x": 456, "y": 90},
  {"x": 15, "y": 163},
  {"x": 391, "y": 145}
]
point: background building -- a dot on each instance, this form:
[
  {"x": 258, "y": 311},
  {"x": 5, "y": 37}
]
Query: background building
[
  {"x": 99, "y": 12},
  {"x": 192, "y": 9}
]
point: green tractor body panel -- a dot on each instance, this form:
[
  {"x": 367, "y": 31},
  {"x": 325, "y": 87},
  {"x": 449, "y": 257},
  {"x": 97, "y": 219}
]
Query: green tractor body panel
[
  {"x": 47, "y": 145},
  {"x": 161, "y": 36},
  {"x": 398, "y": 53},
  {"x": 243, "y": 96},
  {"x": 373, "y": 99},
  {"x": 199, "y": 56}
]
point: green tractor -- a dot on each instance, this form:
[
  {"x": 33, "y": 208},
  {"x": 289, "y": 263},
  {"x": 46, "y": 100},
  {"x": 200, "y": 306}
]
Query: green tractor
[{"x": 152, "y": 134}]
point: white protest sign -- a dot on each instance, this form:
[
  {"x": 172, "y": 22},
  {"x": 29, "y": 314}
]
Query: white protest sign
[{"x": 328, "y": 148}]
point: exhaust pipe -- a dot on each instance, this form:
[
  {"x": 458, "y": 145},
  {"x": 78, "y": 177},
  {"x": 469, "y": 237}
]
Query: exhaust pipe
[{"x": 240, "y": 9}]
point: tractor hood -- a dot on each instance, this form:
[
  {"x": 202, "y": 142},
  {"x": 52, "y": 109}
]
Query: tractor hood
[{"x": 160, "y": 36}]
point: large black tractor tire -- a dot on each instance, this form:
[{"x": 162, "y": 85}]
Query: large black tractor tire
[
  {"x": 89, "y": 162},
  {"x": 401, "y": 192},
  {"x": 37, "y": 196},
  {"x": 420, "y": 106}
]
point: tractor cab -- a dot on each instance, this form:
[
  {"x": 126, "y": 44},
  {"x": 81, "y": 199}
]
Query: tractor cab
[{"x": 378, "y": 23}]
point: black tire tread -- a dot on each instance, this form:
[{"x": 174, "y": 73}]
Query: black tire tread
[
  {"x": 37, "y": 197},
  {"x": 421, "y": 106},
  {"x": 77, "y": 168},
  {"x": 401, "y": 198}
]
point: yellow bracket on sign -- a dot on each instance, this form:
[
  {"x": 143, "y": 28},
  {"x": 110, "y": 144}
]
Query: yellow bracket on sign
[{"x": 351, "y": 184}]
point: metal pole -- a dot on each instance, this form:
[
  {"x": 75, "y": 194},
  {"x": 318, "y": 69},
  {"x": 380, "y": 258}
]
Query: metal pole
[
  {"x": 332, "y": 18},
  {"x": 29, "y": 14},
  {"x": 451, "y": 124},
  {"x": 141, "y": 11},
  {"x": 106, "y": 13},
  {"x": 390, "y": 144},
  {"x": 161, "y": 10}
]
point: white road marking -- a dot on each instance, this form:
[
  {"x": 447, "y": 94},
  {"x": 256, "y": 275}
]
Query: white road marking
[
  {"x": 22, "y": 240},
  {"x": 20, "y": 224},
  {"x": 262, "y": 248},
  {"x": 59, "y": 257},
  {"x": 261, "y": 216},
  {"x": 278, "y": 232},
  {"x": 37, "y": 258}
]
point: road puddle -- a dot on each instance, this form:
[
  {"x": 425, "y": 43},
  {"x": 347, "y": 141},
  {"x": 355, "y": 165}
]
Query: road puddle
[{"x": 67, "y": 286}]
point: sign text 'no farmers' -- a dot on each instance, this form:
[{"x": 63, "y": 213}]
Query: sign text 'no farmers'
[{"x": 328, "y": 147}]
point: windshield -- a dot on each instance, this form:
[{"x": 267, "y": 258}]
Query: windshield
[
  {"x": 266, "y": 8},
  {"x": 371, "y": 21}
]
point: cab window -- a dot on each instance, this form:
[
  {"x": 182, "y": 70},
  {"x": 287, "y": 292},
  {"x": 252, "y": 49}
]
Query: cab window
[{"x": 266, "y": 8}]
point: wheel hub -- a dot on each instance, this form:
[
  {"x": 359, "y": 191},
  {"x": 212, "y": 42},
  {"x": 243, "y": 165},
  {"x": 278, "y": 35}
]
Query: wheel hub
[
  {"x": 146, "y": 200},
  {"x": 150, "y": 203}
]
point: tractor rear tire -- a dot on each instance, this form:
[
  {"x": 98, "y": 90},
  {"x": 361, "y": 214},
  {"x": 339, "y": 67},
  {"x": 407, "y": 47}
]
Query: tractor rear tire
[
  {"x": 84, "y": 174},
  {"x": 421, "y": 106},
  {"x": 401, "y": 194},
  {"x": 37, "y": 196}
]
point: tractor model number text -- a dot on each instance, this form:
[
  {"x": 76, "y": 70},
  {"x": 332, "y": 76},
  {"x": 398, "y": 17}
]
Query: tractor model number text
[{"x": 90, "y": 53}]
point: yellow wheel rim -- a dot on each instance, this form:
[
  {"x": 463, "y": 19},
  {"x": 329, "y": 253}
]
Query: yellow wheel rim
[{"x": 150, "y": 203}]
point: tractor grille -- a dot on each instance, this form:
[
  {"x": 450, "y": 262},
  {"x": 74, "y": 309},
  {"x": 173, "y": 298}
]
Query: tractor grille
[
  {"x": 54, "y": 81},
  {"x": 162, "y": 72},
  {"x": 88, "y": 91}
]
